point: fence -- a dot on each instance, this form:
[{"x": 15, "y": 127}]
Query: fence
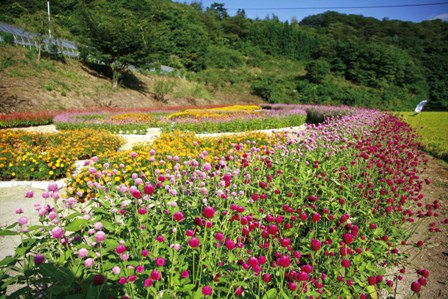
[{"x": 27, "y": 39}]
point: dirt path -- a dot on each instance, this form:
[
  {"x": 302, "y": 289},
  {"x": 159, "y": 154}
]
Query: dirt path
[{"x": 434, "y": 254}]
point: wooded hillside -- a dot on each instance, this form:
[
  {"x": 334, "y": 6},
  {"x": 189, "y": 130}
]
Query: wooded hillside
[{"x": 329, "y": 58}]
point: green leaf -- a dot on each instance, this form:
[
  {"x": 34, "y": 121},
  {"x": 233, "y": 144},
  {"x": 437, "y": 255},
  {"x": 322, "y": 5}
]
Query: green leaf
[
  {"x": 272, "y": 293},
  {"x": 25, "y": 247},
  {"x": 187, "y": 288},
  {"x": 8, "y": 261},
  {"x": 198, "y": 294},
  {"x": 35, "y": 227},
  {"x": 76, "y": 225},
  {"x": 74, "y": 215},
  {"x": 8, "y": 233}
]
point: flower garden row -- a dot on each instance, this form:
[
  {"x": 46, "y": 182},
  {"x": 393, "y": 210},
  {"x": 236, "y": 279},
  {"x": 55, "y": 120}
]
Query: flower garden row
[
  {"x": 37, "y": 156},
  {"x": 315, "y": 214},
  {"x": 215, "y": 120}
]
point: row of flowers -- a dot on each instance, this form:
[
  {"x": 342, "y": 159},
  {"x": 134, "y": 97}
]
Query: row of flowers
[
  {"x": 42, "y": 156},
  {"x": 314, "y": 214}
]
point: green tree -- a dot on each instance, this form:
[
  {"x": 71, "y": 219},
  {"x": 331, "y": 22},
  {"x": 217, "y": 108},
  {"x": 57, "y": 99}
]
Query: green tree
[
  {"x": 114, "y": 35},
  {"x": 317, "y": 70}
]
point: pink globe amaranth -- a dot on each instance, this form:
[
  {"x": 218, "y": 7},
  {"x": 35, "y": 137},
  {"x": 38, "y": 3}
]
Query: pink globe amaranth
[
  {"x": 372, "y": 280},
  {"x": 89, "y": 262},
  {"x": 136, "y": 194},
  {"x": 267, "y": 277},
  {"x": 194, "y": 242},
  {"x": 100, "y": 236},
  {"x": 122, "y": 280},
  {"x": 148, "y": 189},
  {"x": 160, "y": 262},
  {"x": 238, "y": 291},
  {"x": 52, "y": 187},
  {"x": 39, "y": 259},
  {"x": 207, "y": 290},
  {"x": 208, "y": 212},
  {"x": 22, "y": 220},
  {"x": 230, "y": 244},
  {"x": 423, "y": 272},
  {"x": 185, "y": 274},
  {"x": 57, "y": 232},
  {"x": 147, "y": 283},
  {"x": 292, "y": 286},
  {"x": 345, "y": 263},
  {"x": 219, "y": 236},
  {"x": 29, "y": 194},
  {"x": 348, "y": 238},
  {"x": 83, "y": 252},
  {"x": 422, "y": 281},
  {"x": 416, "y": 287},
  {"x": 116, "y": 270},
  {"x": 178, "y": 216},
  {"x": 155, "y": 275},
  {"x": 98, "y": 279},
  {"x": 120, "y": 249},
  {"x": 315, "y": 244}
]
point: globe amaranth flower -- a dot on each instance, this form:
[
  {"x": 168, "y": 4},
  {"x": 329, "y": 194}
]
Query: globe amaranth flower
[
  {"x": 155, "y": 275},
  {"x": 194, "y": 242},
  {"x": 83, "y": 252},
  {"x": 100, "y": 236},
  {"x": 208, "y": 212},
  {"x": 57, "y": 232},
  {"x": 160, "y": 262},
  {"x": 39, "y": 259},
  {"x": 89, "y": 262},
  {"x": 207, "y": 290}
]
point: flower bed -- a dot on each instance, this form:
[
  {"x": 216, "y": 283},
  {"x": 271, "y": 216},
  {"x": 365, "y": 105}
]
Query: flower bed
[
  {"x": 316, "y": 113},
  {"x": 177, "y": 147},
  {"x": 38, "y": 156},
  {"x": 124, "y": 123},
  {"x": 138, "y": 122},
  {"x": 26, "y": 119},
  {"x": 320, "y": 216},
  {"x": 212, "y": 122}
]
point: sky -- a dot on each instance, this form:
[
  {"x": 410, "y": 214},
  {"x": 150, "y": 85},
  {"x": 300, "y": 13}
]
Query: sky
[{"x": 285, "y": 10}]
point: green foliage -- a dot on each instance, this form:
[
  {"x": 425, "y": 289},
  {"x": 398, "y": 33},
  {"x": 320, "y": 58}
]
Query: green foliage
[
  {"x": 8, "y": 38},
  {"x": 237, "y": 125},
  {"x": 162, "y": 87},
  {"x": 391, "y": 57},
  {"x": 317, "y": 70},
  {"x": 222, "y": 57}
]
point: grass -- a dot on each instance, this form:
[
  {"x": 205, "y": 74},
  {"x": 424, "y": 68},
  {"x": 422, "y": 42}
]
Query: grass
[{"x": 432, "y": 129}]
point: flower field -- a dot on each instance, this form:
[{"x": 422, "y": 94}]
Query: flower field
[
  {"x": 314, "y": 214},
  {"x": 38, "y": 156},
  {"x": 19, "y": 119},
  {"x": 236, "y": 118}
]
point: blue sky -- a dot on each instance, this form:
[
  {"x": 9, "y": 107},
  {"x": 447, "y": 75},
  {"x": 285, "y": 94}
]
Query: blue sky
[{"x": 286, "y": 9}]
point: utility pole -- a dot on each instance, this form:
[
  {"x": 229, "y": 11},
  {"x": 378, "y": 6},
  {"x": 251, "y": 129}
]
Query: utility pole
[{"x": 49, "y": 20}]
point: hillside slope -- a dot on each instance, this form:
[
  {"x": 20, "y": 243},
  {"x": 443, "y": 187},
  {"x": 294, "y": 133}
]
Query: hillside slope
[{"x": 26, "y": 85}]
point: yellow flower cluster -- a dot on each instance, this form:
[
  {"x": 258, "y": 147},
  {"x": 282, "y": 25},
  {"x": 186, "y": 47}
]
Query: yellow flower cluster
[
  {"x": 237, "y": 108},
  {"x": 215, "y": 113},
  {"x": 138, "y": 117},
  {"x": 38, "y": 156}
]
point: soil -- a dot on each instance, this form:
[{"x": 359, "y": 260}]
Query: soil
[{"x": 434, "y": 254}]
